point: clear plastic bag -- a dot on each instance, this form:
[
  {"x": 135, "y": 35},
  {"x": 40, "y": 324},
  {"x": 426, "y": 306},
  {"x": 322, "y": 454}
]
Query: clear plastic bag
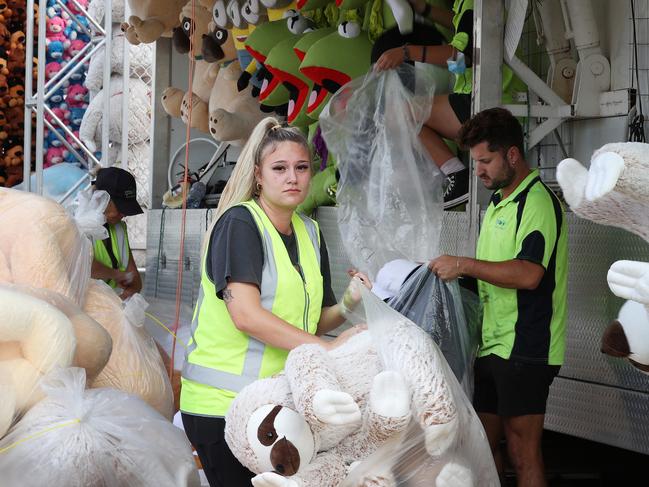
[
  {"x": 390, "y": 191},
  {"x": 454, "y": 452},
  {"x": 95, "y": 437},
  {"x": 42, "y": 246},
  {"x": 135, "y": 365},
  {"x": 436, "y": 307}
]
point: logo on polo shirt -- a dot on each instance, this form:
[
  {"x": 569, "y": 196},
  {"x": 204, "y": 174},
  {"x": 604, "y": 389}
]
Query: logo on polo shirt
[{"x": 501, "y": 223}]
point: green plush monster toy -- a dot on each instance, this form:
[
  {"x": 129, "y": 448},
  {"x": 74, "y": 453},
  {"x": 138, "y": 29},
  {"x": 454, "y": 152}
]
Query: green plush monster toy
[
  {"x": 333, "y": 61},
  {"x": 260, "y": 43}
]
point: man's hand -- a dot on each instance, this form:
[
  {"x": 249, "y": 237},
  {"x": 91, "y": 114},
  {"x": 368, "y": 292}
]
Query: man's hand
[
  {"x": 446, "y": 267},
  {"x": 390, "y": 59},
  {"x": 343, "y": 337}
]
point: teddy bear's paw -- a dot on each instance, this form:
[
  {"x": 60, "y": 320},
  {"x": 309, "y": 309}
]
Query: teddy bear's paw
[
  {"x": 455, "y": 475},
  {"x": 440, "y": 437},
  {"x": 629, "y": 280},
  {"x": 603, "y": 174},
  {"x": 335, "y": 407},
  {"x": 390, "y": 395},
  {"x": 271, "y": 479},
  {"x": 572, "y": 178}
]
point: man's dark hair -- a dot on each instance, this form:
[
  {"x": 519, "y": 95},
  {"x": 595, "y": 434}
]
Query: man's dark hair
[{"x": 495, "y": 126}]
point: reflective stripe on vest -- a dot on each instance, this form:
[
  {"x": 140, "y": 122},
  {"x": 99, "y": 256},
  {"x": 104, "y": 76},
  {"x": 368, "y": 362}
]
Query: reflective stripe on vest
[
  {"x": 120, "y": 246},
  {"x": 219, "y": 356}
]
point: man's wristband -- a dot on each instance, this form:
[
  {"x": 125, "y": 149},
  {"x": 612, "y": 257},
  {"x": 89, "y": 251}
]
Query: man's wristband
[{"x": 406, "y": 54}]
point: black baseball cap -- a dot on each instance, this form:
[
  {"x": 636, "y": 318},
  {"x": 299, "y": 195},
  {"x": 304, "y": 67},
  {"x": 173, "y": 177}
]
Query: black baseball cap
[{"x": 120, "y": 185}]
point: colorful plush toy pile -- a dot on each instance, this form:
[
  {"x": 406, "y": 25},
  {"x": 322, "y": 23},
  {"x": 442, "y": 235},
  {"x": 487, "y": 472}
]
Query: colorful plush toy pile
[
  {"x": 66, "y": 36},
  {"x": 12, "y": 90}
]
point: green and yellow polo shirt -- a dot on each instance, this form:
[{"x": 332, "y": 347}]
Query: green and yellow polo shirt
[{"x": 527, "y": 325}]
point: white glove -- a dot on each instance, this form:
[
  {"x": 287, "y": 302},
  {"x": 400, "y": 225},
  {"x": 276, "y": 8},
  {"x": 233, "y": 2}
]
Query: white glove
[
  {"x": 271, "y": 479},
  {"x": 603, "y": 174},
  {"x": 335, "y": 407},
  {"x": 629, "y": 280}
]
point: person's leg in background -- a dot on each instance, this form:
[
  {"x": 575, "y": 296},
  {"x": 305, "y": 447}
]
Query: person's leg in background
[
  {"x": 220, "y": 466},
  {"x": 444, "y": 122}
]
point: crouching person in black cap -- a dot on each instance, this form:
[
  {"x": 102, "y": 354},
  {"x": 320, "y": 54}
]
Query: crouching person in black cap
[{"x": 113, "y": 261}]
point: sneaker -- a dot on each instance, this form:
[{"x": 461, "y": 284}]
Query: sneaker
[{"x": 456, "y": 189}]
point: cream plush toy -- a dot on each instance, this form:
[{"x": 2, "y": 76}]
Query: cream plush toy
[
  {"x": 135, "y": 366},
  {"x": 329, "y": 410},
  {"x": 139, "y": 109},
  {"x": 35, "y": 337},
  {"x": 41, "y": 245},
  {"x": 233, "y": 113},
  {"x": 615, "y": 191},
  {"x": 151, "y": 19},
  {"x": 178, "y": 103}
]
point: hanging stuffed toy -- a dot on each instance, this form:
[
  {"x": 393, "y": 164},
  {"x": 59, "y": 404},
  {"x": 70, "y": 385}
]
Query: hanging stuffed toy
[
  {"x": 614, "y": 191},
  {"x": 233, "y": 113},
  {"x": 334, "y": 60},
  {"x": 194, "y": 20},
  {"x": 151, "y": 19}
]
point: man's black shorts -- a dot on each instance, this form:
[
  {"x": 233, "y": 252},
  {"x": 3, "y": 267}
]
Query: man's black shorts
[
  {"x": 510, "y": 387},
  {"x": 461, "y": 105}
]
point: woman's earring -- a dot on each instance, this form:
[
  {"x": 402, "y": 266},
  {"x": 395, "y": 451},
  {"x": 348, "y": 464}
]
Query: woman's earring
[{"x": 258, "y": 186}]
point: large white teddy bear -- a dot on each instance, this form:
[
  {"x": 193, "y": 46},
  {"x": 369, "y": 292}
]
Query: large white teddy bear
[
  {"x": 139, "y": 114},
  {"x": 311, "y": 425},
  {"x": 614, "y": 191},
  {"x": 140, "y": 59}
]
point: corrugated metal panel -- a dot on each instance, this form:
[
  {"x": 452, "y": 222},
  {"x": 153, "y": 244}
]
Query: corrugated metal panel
[
  {"x": 608, "y": 415},
  {"x": 164, "y": 251}
]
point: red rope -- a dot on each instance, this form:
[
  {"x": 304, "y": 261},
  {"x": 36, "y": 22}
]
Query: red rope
[{"x": 179, "y": 282}]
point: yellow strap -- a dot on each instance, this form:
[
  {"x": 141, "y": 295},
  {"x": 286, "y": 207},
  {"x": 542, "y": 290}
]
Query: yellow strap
[
  {"x": 39, "y": 434},
  {"x": 161, "y": 324}
]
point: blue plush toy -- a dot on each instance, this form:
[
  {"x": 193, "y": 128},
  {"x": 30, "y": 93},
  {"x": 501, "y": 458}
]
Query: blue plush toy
[
  {"x": 74, "y": 31},
  {"x": 57, "y": 98},
  {"x": 78, "y": 75},
  {"x": 55, "y": 51},
  {"x": 52, "y": 140},
  {"x": 76, "y": 116},
  {"x": 53, "y": 9}
]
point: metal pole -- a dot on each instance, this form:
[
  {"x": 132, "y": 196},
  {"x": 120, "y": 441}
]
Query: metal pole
[
  {"x": 90, "y": 19},
  {"x": 74, "y": 17},
  {"x": 488, "y": 52},
  {"x": 50, "y": 91},
  {"x": 72, "y": 61},
  {"x": 85, "y": 177},
  {"x": 67, "y": 144},
  {"x": 69, "y": 133},
  {"x": 126, "y": 62},
  {"x": 29, "y": 99},
  {"x": 40, "y": 100},
  {"x": 108, "y": 28}
]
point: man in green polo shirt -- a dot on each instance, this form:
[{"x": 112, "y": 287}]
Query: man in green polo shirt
[{"x": 521, "y": 267}]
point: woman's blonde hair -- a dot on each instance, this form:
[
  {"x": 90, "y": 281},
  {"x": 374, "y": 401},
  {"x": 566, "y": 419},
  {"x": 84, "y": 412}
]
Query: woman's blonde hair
[{"x": 241, "y": 186}]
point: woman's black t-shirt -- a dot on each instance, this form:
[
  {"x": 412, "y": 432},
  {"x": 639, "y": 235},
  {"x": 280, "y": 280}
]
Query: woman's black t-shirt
[{"x": 235, "y": 253}]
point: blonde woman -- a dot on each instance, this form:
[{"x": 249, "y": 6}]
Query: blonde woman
[{"x": 265, "y": 289}]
